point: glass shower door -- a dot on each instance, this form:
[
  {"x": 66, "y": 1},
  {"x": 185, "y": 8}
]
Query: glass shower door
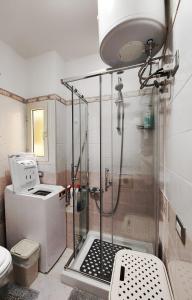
[
  {"x": 79, "y": 172},
  {"x": 134, "y": 163},
  {"x": 84, "y": 174},
  {"x": 128, "y": 154},
  {"x": 106, "y": 180}
]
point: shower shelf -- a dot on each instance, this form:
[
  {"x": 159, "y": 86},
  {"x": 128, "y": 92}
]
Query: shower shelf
[
  {"x": 142, "y": 127},
  {"x": 138, "y": 276}
]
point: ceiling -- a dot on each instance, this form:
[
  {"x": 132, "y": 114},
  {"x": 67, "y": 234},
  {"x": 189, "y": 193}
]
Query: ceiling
[{"x": 33, "y": 27}]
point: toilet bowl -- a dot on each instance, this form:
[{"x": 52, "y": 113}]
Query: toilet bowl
[{"x": 5, "y": 266}]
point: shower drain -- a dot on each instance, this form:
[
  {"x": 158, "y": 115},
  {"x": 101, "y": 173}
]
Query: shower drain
[
  {"x": 95, "y": 266},
  {"x": 139, "y": 276}
]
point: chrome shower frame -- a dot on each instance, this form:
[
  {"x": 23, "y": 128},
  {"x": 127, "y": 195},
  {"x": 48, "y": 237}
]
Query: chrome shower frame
[{"x": 68, "y": 83}]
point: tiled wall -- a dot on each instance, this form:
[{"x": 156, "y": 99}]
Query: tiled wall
[
  {"x": 176, "y": 158},
  {"x": 178, "y": 122},
  {"x": 176, "y": 256},
  {"x": 12, "y": 140}
]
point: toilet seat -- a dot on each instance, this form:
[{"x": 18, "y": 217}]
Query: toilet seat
[{"x": 5, "y": 260}]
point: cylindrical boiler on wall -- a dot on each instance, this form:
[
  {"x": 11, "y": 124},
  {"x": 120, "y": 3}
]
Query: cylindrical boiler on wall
[{"x": 125, "y": 26}]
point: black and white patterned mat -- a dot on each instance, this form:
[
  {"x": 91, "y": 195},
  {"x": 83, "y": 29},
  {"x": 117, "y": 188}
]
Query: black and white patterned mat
[
  {"x": 16, "y": 292},
  {"x": 95, "y": 266}
]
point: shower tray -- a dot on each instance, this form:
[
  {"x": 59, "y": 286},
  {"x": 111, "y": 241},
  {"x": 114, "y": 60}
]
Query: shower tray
[{"x": 73, "y": 276}]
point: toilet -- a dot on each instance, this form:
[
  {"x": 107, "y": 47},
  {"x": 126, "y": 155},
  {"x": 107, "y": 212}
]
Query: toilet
[{"x": 5, "y": 266}]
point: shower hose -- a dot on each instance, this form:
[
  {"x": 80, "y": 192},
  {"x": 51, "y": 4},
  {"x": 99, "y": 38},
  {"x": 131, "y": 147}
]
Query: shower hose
[{"x": 114, "y": 207}]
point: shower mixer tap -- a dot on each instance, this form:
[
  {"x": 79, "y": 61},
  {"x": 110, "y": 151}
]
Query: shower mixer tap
[{"x": 95, "y": 193}]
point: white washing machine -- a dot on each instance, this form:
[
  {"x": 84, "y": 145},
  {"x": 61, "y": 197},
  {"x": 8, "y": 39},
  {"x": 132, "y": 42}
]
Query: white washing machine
[{"x": 35, "y": 211}]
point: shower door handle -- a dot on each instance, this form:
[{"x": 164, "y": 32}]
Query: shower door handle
[
  {"x": 108, "y": 182},
  {"x": 73, "y": 178}
]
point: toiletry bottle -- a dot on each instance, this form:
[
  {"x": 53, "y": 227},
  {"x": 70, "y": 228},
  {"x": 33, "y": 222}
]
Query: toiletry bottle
[{"x": 148, "y": 118}]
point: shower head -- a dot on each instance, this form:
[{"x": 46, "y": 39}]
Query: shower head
[{"x": 119, "y": 86}]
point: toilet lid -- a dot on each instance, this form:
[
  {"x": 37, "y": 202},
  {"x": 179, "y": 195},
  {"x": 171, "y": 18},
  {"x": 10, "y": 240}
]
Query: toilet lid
[{"x": 5, "y": 259}]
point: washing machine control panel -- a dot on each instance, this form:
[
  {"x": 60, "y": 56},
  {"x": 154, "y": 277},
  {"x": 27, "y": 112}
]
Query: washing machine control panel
[{"x": 24, "y": 172}]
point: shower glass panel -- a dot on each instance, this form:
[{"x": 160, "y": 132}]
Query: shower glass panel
[
  {"x": 79, "y": 171},
  {"x": 134, "y": 163},
  {"x": 82, "y": 206},
  {"x": 105, "y": 206}
]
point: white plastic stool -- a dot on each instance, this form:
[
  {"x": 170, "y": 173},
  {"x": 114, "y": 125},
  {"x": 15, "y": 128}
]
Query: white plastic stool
[{"x": 139, "y": 276}]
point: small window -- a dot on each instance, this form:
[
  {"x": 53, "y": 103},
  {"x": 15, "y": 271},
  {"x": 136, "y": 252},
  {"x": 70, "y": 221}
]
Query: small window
[{"x": 38, "y": 132}]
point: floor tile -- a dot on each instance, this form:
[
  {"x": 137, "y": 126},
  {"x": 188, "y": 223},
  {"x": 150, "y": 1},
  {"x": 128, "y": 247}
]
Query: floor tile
[{"x": 49, "y": 285}]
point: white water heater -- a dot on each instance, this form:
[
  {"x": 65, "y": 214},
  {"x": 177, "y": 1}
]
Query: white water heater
[{"x": 125, "y": 26}]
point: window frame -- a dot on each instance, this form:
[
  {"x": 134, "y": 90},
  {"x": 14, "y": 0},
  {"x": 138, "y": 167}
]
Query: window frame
[{"x": 30, "y": 129}]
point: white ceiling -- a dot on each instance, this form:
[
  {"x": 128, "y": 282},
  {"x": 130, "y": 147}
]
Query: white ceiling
[{"x": 32, "y": 27}]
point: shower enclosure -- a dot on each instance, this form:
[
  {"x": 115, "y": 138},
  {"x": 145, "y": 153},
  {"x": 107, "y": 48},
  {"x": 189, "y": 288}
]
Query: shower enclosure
[{"x": 114, "y": 170}]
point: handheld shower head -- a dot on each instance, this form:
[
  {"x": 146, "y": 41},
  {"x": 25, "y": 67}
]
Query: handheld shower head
[{"x": 120, "y": 105}]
